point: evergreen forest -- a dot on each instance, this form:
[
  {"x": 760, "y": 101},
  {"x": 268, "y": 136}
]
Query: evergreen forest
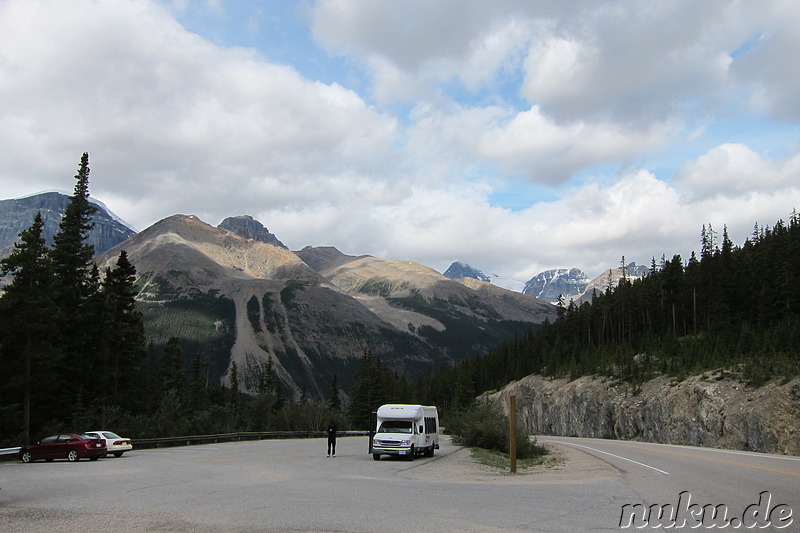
[
  {"x": 75, "y": 356},
  {"x": 734, "y": 310}
]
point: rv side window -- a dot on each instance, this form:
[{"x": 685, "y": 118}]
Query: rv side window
[
  {"x": 395, "y": 426},
  {"x": 430, "y": 424}
]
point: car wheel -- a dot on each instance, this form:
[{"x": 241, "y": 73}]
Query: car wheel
[
  {"x": 72, "y": 456},
  {"x": 27, "y": 457},
  {"x": 376, "y": 456},
  {"x": 118, "y": 454},
  {"x": 49, "y": 460}
]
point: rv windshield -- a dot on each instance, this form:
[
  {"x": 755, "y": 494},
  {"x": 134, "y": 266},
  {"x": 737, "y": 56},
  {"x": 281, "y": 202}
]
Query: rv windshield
[{"x": 395, "y": 426}]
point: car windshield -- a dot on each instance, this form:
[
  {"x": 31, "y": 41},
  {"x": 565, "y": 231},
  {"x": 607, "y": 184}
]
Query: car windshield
[{"x": 395, "y": 426}]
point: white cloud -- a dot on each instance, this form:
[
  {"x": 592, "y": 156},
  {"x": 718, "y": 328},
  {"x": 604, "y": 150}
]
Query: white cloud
[
  {"x": 552, "y": 152},
  {"x": 167, "y": 115},
  {"x": 768, "y": 68},
  {"x": 735, "y": 171},
  {"x": 592, "y": 226},
  {"x": 644, "y": 61},
  {"x": 466, "y": 97}
]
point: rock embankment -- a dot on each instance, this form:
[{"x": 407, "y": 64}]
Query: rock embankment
[{"x": 699, "y": 411}]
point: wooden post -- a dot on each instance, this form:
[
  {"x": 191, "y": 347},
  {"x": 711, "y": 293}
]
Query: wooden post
[{"x": 512, "y": 434}]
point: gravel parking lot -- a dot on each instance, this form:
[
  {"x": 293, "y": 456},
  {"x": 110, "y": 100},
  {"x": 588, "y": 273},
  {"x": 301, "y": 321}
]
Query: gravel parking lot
[{"x": 290, "y": 485}]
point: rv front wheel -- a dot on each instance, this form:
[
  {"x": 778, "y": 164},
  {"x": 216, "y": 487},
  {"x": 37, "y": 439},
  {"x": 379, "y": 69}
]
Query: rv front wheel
[
  {"x": 411, "y": 453},
  {"x": 429, "y": 452},
  {"x": 376, "y": 456}
]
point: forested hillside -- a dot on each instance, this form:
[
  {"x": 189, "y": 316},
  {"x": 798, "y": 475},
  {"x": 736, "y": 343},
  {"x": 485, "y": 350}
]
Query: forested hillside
[
  {"x": 735, "y": 308},
  {"x": 74, "y": 354}
]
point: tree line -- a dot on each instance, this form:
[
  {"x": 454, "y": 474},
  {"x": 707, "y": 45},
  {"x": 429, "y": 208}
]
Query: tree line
[
  {"x": 70, "y": 334},
  {"x": 735, "y": 309},
  {"x": 74, "y": 354}
]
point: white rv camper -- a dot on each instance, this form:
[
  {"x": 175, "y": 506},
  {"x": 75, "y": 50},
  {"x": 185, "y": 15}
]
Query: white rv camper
[{"x": 406, "y": 430}]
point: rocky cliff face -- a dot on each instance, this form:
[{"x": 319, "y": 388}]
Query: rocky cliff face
[{"x": 697, "y": 411}]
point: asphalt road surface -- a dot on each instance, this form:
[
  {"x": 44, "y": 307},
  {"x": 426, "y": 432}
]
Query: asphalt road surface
[
  {"x": 659, "y": 473},
  {"x": 290, "y": 485}
]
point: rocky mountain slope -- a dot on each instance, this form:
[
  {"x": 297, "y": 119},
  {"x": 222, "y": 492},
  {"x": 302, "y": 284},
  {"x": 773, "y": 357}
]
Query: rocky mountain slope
[
  {"x": 16, "y": 215},
  {"x": 699, "y": 411},
  {"x": 232, "y": 297},
  {"x": 459, "y": 270}
]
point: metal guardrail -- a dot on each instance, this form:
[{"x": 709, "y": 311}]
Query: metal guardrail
[{"x": 188, "y": 440}]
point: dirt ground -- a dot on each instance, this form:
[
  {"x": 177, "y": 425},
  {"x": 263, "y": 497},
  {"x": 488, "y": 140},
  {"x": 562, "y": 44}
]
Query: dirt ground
[{"x": 563, "y": 465}]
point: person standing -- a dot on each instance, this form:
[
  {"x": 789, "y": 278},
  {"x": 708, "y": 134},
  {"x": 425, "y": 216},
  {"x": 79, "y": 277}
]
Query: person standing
[{"x": 332, "y": 439}]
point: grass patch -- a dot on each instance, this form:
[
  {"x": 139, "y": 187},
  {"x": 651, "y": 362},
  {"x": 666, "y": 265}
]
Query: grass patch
[{"x": 500, "y": 461}]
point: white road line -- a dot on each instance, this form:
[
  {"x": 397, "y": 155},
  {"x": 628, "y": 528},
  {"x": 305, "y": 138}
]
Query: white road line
[
  {"x": 611, "y": 454},
  {"x": 719, "y": 450}
]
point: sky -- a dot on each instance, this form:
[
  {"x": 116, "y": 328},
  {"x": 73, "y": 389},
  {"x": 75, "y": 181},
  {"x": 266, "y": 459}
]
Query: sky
[{"x": 512, "y": 135}]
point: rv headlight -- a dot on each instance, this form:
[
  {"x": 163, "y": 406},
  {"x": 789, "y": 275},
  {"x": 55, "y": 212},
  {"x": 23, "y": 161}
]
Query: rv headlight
[
  {"x": 406, "y": 442},
  {"x": 375, "y": 442}
]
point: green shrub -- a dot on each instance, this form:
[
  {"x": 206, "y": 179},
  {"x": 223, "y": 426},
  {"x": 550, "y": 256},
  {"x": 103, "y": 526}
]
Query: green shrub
[{"x": 484, "y": 425}]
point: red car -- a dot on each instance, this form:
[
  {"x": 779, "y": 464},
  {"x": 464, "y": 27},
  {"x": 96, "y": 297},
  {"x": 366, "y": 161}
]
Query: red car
[{"x": 69, "y": 446}]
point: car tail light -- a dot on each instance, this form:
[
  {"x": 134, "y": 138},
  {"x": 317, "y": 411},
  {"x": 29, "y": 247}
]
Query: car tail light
[{"x": 100, "y": 443}]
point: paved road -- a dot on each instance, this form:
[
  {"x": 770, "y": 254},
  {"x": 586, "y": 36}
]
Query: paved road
[
  {"x": 659, "y": 473},
  {"x": 291, "y": 486}
]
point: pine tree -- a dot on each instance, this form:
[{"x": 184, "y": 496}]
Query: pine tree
[
  {"x": 125, "y": 339},
  {"x": 303, "y": 395},
  {"x": 265, "y": 403},
  {"x": 363, "y": 400},
  {"x": 235, "y": 401},
  {"x": 198, "y": 396},
  {"x": 29, "y": 340},
  {"x": 73, "y": 265},
  {"x": 335, "y": 402},
  {"x": 171, "y": 372}
]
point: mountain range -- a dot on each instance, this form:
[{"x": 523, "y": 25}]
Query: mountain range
[
  {"x": 232, "y": 297},
  {"x": 569, "y": 284},
  {"x": 236, "y": 293}
]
